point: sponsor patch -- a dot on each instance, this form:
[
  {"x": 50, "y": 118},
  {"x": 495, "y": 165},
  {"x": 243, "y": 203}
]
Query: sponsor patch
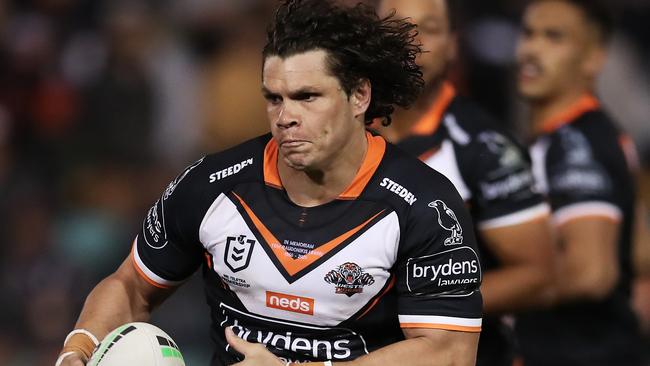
[
  {"x": 292, "y": 341},
  {"x": 448, "y": 221},
  {"x": 510, "y": 185},
  {"x": 231, "y": 170},
  {"x": 296, "y": 304},
  {"x": 394, "y": 187},
  {"x": 580, "y": 180},
  {"x": 454, "y": 272},
  {"x": 238, "y": 252},
  {"x": 349, "y": 279}
]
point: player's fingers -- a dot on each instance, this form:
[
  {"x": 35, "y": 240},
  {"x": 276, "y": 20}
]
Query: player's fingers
[
  {"x": 71, "y": 359},
  {"x": 239, "y": 344}
]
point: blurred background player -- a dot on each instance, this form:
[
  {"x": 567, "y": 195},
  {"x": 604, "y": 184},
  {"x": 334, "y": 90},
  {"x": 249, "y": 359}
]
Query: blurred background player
[
  {"x": 454, "y": 136},
  {"x": 584, "y": 163},
  {"x": 366, "y": 234}
]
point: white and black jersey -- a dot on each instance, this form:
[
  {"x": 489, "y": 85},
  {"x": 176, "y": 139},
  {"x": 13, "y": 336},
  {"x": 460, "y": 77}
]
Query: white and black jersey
[
  {"x": 581, "y": 164},
  {"x": 493, "y": 175},
  {"x": 332, "y": 282}
]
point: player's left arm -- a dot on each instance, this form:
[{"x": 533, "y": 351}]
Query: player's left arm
[
  {"x": 422, "y": 347},
  {"x": 525, "y": 252},
  {"x": 587, "y": 214},
  {"x": 514, "y": 222},
  {"x": 588, "y": 263}
]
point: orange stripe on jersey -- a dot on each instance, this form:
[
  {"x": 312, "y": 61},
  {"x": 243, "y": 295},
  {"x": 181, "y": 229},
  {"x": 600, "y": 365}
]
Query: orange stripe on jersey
[
  {"x": 271, "y": 175},
  {"x": 376, "y": 149},
  {"x": 142, "y": 274},
  {"x": 291, "y": 265},
  {"x": 460, "y": 328},
  {"x": 583, "y": 105},
  {"x": 429, "y": 123}
]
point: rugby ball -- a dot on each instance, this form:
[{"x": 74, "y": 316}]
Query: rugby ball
[{"x": 140, "y": 344}]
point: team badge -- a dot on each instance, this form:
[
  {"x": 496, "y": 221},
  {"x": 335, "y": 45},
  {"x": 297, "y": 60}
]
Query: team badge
[
  {"x": 238, "y": 252},
  {"x": 448, "y": 221},
  {"x": 349, "y": 279}
]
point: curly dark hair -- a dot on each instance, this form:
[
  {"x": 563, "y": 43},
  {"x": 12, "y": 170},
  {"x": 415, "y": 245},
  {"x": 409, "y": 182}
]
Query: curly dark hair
[{"x": 360, "y": 46}]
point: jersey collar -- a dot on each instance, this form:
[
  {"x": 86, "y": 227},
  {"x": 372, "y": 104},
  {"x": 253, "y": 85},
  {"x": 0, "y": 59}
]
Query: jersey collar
[
  {"x": 376, "y": 149},
  {"x": 584, "y": 104},
  {"x": 429, "y": 123}
]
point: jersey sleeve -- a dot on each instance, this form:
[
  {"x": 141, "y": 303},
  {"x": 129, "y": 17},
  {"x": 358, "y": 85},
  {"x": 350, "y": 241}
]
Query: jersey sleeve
[
  {"x": 578, "y": 182},
  {"x": 503, "y": 183},
  {"x": 167, "y": 249},
  {"x": 438, "y": 268}
]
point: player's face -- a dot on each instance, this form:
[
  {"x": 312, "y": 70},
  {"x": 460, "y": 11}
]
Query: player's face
[
  {"x": 434, "y": 33},
  {"x": 553, "y": 50},
  {"x": 312, "y": 118}
]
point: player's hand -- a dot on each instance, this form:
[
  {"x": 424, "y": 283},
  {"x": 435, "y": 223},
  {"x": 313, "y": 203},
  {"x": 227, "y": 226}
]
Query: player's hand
[
  {"x": 254, "y": 353},
  {"x": 71, "y": 360}
]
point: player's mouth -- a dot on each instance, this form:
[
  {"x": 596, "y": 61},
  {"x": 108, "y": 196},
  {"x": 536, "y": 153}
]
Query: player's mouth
[
  {"x": 292, "y": 143},
  {"x": 529, "y": 70}
]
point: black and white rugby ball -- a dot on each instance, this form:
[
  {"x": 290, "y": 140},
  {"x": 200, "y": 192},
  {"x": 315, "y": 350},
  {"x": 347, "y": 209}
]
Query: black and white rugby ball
[{"x": 139, "y": 344}]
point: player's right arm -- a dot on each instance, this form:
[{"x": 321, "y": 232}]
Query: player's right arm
[
  {"x": 163, "y": 255},
  {"x": 122, "y": 297}
]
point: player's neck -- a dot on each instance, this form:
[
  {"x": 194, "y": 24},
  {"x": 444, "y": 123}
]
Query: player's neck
[
  {"x": 316, "y": 187},
  {"x": 542, "y": 110},
  {"x": 404, "y": 119}
]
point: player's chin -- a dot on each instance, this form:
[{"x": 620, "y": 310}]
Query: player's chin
[
  {"x": 530, "y": 91},
  {"x": 297, "y": 162}
]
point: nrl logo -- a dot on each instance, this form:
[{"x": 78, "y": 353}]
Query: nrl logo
[
  {"x": 238, "y": 252},
  {"x": 349, "y": 279},
  {"x": 448, "y": 221}
]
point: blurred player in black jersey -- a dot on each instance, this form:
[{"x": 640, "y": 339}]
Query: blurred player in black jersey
[
  {"x": 491, "y": 172},
  {"x": 319, "y": 243},
  {"x": 583, "y": 163}
]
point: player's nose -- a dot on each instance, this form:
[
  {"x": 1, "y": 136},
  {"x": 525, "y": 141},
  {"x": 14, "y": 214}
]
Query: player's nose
[{"x": 287, "y": 117}]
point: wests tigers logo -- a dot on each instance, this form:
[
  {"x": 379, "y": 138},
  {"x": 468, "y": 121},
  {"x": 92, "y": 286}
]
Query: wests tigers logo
[{"x": 349, "y": 279}]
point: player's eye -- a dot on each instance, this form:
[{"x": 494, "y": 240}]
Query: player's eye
[
  {"x": 554, "y": 35},
  {"x": 306, "y": 97},
  {"x": 273, "y": 99}
]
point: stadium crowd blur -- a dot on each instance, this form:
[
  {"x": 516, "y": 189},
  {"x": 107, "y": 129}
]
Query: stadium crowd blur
[{"x": 103, "y": 102}]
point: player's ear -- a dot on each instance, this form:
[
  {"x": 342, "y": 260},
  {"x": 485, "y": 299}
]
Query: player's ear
[{"x": 360, "y": 97}]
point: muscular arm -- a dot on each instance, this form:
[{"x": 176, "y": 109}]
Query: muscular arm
[
  {"x": 523, "y": 278},
  {"x": 424, "y": 347},
  {"x": 588, "y": 258},
  {"x": 120, "y": 298}
]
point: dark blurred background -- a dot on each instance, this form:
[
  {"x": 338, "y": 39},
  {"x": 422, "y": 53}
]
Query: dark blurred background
[{"x": 102, "y": 103}]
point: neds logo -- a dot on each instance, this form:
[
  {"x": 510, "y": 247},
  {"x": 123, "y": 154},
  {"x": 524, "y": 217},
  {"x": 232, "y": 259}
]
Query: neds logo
[{"x": 296, "y": 304}]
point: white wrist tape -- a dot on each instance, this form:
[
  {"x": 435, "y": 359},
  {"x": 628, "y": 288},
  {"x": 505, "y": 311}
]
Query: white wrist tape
[
  {"x": 61, "y": 357},
  {"x": 84, "y": 332}
]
